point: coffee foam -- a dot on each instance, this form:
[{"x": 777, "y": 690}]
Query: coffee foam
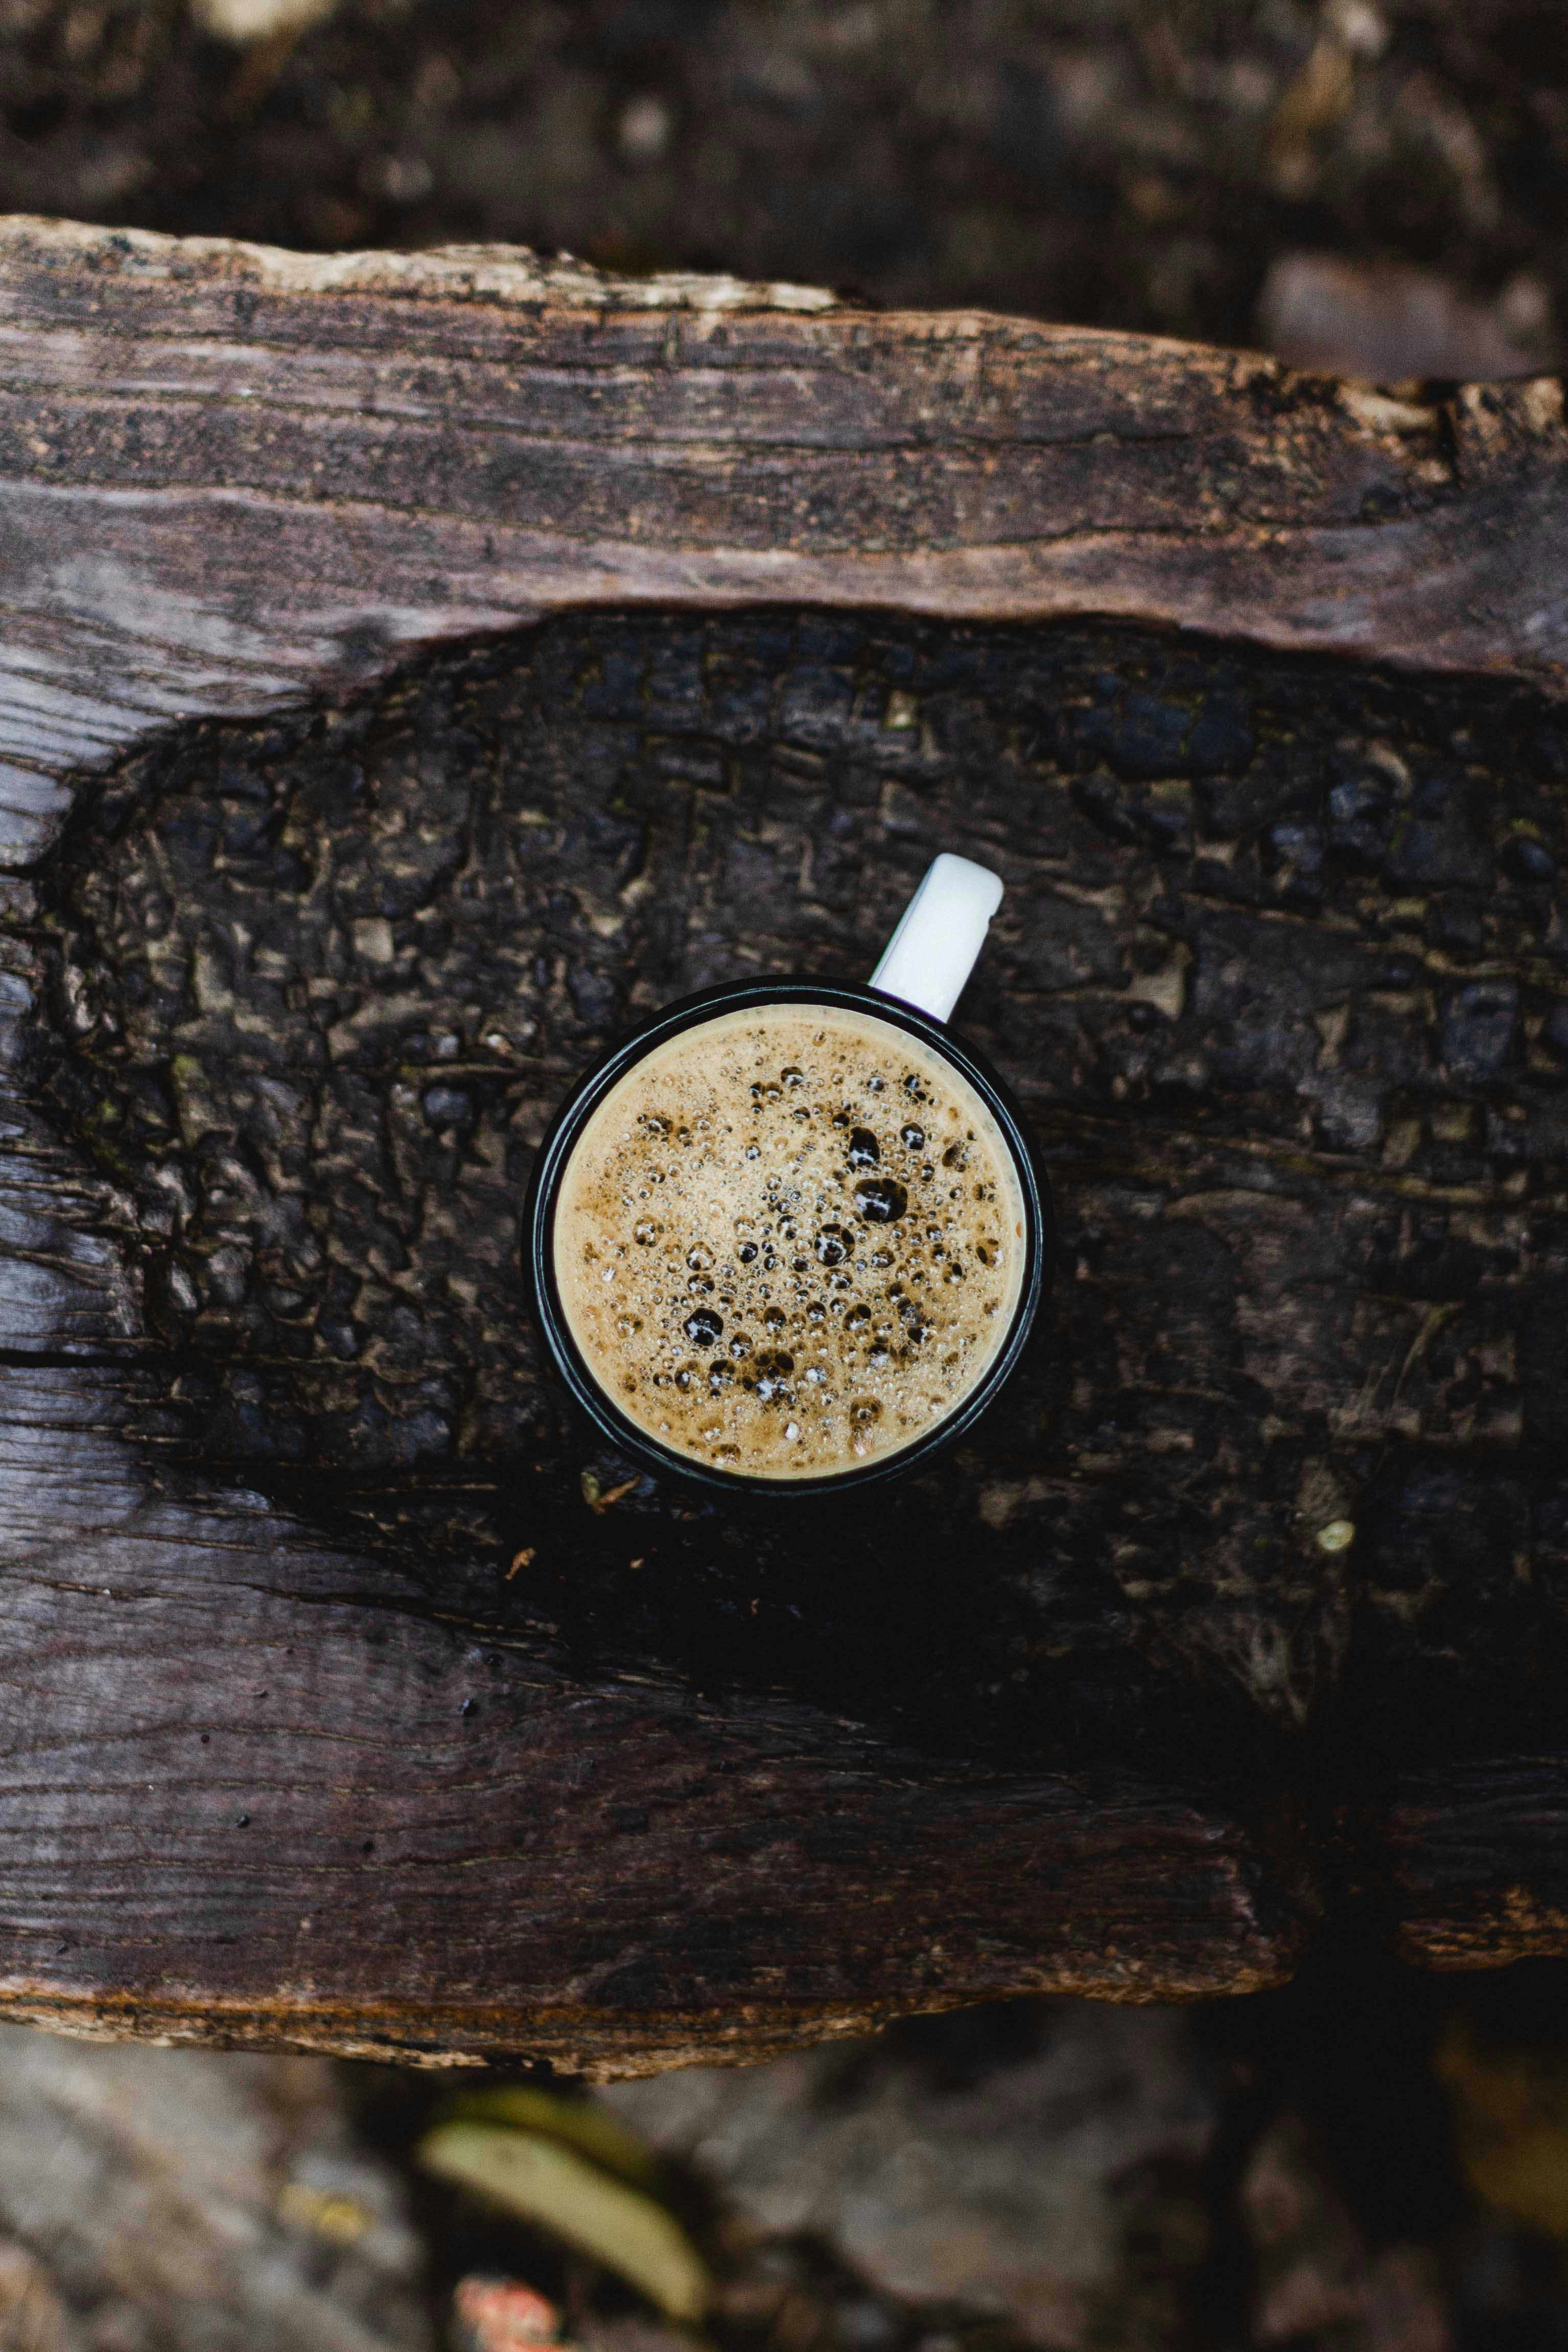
[{"x": 789, "y": 1240}]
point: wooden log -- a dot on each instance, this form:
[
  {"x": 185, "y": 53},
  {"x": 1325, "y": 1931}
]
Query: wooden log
[
  {"x": 263, "y": 1788},
  {"x": 451, "y": 658},
  {"x": 1479, "y": 1861},
  {"x": 233, "y": 475}
]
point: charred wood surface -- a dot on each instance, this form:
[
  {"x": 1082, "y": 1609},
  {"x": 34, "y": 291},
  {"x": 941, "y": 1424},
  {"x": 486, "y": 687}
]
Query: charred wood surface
[{"x": 355, "y": 1698}]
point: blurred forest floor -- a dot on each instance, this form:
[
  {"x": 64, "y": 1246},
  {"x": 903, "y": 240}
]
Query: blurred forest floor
[
  {"x": 1368, "y": 2161},
  {"x": 1378, "y": 184}
]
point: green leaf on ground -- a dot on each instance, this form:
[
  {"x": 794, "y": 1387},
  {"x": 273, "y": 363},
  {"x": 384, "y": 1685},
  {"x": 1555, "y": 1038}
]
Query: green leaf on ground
[
  {"x": 557, "y": 2188},
  {"x": 590, "y": 2130}
]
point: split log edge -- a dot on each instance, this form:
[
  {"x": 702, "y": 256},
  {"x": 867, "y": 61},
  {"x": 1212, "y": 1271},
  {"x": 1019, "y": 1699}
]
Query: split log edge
[{"x": 235, "y": 482}]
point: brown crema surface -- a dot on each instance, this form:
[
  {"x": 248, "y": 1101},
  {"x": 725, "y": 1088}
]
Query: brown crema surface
[{"x": 789, "y": 1240}]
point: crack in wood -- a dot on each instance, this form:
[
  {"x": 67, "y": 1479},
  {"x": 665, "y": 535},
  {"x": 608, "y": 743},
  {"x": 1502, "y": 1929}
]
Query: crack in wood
[{"x": 1282, "y": 970}]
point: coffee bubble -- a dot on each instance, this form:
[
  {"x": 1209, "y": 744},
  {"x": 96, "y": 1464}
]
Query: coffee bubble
[{"x": 881, "y": 1200}]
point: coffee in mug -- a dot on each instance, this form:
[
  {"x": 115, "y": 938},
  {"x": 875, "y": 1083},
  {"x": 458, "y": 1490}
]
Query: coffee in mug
[
  {"x": 789, "y": 1239},
  {"x": 793, "y": 1233}
]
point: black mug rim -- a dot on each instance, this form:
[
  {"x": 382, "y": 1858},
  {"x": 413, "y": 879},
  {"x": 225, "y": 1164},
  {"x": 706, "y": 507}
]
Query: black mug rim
[{"x": 688, "y": 1013}]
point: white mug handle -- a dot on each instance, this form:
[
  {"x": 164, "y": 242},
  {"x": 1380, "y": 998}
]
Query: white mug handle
[{"x": 940, "y": 934}]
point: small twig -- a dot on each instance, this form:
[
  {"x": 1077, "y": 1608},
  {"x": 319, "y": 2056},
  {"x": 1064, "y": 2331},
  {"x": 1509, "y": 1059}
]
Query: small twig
[{"x": 599, "y": 1498}]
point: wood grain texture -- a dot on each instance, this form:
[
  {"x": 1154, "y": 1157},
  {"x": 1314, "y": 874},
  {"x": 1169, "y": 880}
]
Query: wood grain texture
[
  {"x": 231, "y": 475},
  {"x": 1480, "y": 1862},
  {"x": 290, "y": 1756},
  {"x": 256, "y": 1789}
]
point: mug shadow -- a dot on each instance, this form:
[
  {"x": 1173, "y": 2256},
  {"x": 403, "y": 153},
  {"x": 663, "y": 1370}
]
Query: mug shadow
[{"x": 317, "y": 987}]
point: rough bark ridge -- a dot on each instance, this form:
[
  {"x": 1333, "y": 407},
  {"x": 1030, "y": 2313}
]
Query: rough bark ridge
[
  {"x": 232, "y": 475},
  {"x": 380, "y": 1730}
]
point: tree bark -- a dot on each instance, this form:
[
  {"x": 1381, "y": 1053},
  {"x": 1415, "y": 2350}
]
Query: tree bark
[{"x": 419, "y": 668}]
